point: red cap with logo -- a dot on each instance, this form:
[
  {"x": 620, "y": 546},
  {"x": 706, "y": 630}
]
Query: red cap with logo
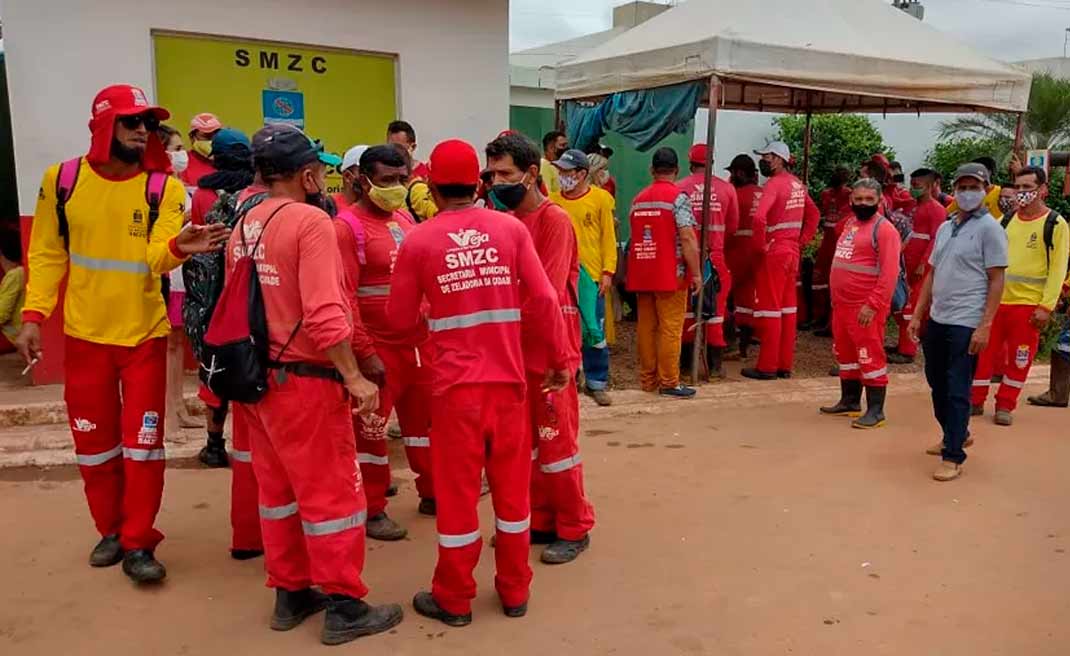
[
  {"x": 454, "y": 162},
  {"x": 697, "y": 154},
  {"x": 124, "y": 100}
]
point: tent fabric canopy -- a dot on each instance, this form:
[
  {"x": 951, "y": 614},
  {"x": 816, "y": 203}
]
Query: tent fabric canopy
[{"x": 787, "y": 56}]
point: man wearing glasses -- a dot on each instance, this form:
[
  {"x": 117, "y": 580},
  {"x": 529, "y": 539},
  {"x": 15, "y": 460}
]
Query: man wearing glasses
[{"x": 109, "y": 221}]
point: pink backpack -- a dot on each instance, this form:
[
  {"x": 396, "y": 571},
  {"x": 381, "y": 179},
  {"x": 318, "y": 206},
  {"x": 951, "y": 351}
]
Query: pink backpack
[{"x": 358, "y": 232}]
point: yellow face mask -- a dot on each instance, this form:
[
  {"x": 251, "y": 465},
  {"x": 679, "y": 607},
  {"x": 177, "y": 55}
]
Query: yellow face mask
[
  {"x": 389, "y": 199},
  {"x": 202, "y": 148}
]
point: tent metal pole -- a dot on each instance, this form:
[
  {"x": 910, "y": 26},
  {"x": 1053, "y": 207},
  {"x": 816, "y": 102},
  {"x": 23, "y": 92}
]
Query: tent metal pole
[
  {"x": 698, "y": 359},
  {"x": 807, "y": 142}
]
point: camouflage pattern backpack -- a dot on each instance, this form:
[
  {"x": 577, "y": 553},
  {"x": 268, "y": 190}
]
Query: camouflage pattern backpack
[{"x": 203, "y": 274}]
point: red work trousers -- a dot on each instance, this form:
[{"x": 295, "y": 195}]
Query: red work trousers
[
  {"x": 1013, "y": 337},
  {"x": 115, "y": 402},
  {"x": 907, "y": 346},
  {"x": 776, "y": 311},
  {"x": 715, "y": 327},
  {"x": 743, "y": 270},
  {"x": 408, "y": 389},
  {"x": 312, "y": 507},
  {"x": 244, "y": 518},
  {"x": 859, "y": 350},
  {"x": 476, "y": 427},
  {"x": 558, "y": 502}
]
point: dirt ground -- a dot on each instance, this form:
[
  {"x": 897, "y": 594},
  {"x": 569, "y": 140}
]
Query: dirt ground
[{"x": 721, "y": 530}]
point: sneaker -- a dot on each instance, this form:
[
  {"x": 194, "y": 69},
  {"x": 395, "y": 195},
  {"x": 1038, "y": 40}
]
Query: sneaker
[
  {"x": 108, "y": 552},
  {"x": 246, "y": 554},
  {"x": 142, "y": 567},
  {"x": 516, "y": 611},
  {"x": 426, "y": 605},
  {"x": 1003, "y": 418},
  {"x": 977, "y": 410},
  {"x": 938, "y": 448},
  {"x": 348, "y": 619},
  {"x": 428, "y": 507},
  {"x": 679, "y": 392},
  {"x": 756, "y": 374},
  {"x": 292, "y": 608},
  {"x": 565, "y": 551},
  {"x": 601, "y": 397},
  {"x": 381, "y": 527},
  {"x": 214, "y": 455},
  {"x": 899, "y": 358},
  {"x": 948, "y": 471}
]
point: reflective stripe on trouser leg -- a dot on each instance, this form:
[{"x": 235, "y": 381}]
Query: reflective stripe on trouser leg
[
  {"x": 370, "y": 430},
  {"x": 244, "y": 515},
  {"x": 859, "y": 349},
  {"x": 559, "y": 485},
  {"x": 770, "y": 281},
  {"x": 91, "y": 391},
  {"x": 1022, "y": 340},
  {"x": 306, "y": 423},
  {"x": 409, "y": 390}
]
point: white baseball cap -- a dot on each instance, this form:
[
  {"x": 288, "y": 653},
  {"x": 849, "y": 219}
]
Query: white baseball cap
[
  {"x": 352, "y": 157},
  {"x": 778, "y": 148}
]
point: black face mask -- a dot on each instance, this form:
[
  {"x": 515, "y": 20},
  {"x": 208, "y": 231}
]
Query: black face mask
[
  {"x": 899, "y": 178},
  {"x": 559, "y": 152},
  {"x": 765, "y": 168},
  {"x": 508, "y": 196},
  {"x": 864, "y": 212}
]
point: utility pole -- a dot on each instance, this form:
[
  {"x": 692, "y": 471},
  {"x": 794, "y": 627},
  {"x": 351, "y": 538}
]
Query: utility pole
[{"x": 1066, "y": 41}]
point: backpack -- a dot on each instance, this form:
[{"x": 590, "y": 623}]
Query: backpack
[
  {"x": 1050, "y": 222},
  {"x": 236, "y": 345},
  {"x": 901, "y": 293},
  {"x": 67, "y": 180},
  {"x": 203, "y": 274},
  {"x": 357, "y": 227}
]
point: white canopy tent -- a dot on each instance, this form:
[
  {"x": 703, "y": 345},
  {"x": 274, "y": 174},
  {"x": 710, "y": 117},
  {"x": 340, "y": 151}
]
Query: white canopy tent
[{"x": 787, "y": 56}]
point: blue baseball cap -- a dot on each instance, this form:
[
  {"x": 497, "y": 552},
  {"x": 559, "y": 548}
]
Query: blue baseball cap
[{"x": 573, "y": 159}]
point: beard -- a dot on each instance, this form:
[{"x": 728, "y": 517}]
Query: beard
[{"x": 126, "y": 154}]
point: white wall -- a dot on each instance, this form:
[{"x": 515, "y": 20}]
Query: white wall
[{"x": 453, "y": 60}]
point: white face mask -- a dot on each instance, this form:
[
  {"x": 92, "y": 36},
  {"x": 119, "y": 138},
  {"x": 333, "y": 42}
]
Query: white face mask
[
  {"x": 179, "y": 160},
  {"x": 568, "y": 182},
  {"x": 969, "y": 200}
]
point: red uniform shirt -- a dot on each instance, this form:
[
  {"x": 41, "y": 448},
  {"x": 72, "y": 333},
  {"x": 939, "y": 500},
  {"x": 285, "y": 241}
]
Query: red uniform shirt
[
  {"x": 197, "y": 169},
  {"x": 724, "y": 209},
  {"x": 370, "y": 282},
  {"x": 928, "y": 217},
  {"x": 340, "y": 201},
  {"x": 470, "y": 264},
  {"x": 300, "y": 272},
  {"x": 861, "y": 275},
  {"x": 421, "y": 171},
  {"x": 555, "y": 243},
  {"x": 787, "y": 217},
  {"x": 202, "y": 202},
  {"x": 835, "y": 210}
]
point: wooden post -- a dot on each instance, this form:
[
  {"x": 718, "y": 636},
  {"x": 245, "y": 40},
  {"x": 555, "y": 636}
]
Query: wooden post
[
  {"x": 1019, "y": 133},
  {"x": 807, "y": 142},
  {"x": 698, "y": 358},
  {"x": 557, "y": 114}
]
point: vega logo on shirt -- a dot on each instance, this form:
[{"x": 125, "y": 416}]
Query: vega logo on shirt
[{"x": 468, "y": 238}]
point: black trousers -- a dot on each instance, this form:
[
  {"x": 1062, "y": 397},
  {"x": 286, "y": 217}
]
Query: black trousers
[{"x": 949, "y": 369}]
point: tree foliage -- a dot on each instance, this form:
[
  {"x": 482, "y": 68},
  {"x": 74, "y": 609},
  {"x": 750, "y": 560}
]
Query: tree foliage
[
  {"x": 946, "y": 156},
  {"x": 836, "y": 140}
]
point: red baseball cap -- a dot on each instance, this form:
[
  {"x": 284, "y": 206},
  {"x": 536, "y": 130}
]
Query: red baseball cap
[
  {"x": 124, "y": 100},
  {"x": 454, "y": 162},
  {"x": 697, "y": 154}
]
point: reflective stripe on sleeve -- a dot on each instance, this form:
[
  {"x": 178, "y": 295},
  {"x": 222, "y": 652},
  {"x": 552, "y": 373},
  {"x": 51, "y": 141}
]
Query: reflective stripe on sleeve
[
  {"x": 869, "y": 375},
  {"x": 784, "y": 226},
  {"x": 716, "y": 320},
  {"x": 332, "y": 526},
  {"x": 716, "y": 228},
  {"x": 746, "y": 232},
  {"x": 95, "y": 459},
  {"x": 982, "y": 383},
  {"x": 144, "y": 455},
  {"x": 242, "y": 456},
  {"x": 510, "y": 315},
  {"x": 851, "y": 366},
  {"x": 104, "y": 264},
  {"x": 789, "y": 310},
  {"x": 278, "y": 512},
  {"x": 369, "y": 459},
  {"x": 513, "y": 527},
  {"x": 422, "y": 442},
  {"x": 743, "y": 310},
  {"x": 561, "y": 465},
  {"x": 1017, "y": 384},
  {"x": 534, "y": 455},
  {"x": 767, "y": 314},
  {"x": 857, "y": 268},
  {"x": 921, "y": 236},
  {"x": 818, "y": 287},
  {"x": 653, "y": 205},
  {"x": 373, "y": 290},
  {"x": 457, "y": 541}
]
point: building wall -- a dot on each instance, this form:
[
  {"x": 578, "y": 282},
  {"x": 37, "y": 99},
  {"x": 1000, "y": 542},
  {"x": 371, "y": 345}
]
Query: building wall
[{"x": 452, "y": 60}]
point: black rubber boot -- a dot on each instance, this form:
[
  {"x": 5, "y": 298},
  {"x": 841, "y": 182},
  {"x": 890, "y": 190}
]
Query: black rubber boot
[
  {"x": 1058, "y": 394},
  {"x": 214, "y": 453},
  {"x": 428, "y": 507},
  {"x": 108, "y": 552},
  {"x": 565, "y": 551},
  {"x": 348, "y": 619},
  {"x": 874, "y": 417},
  {"x": 292, "y": 608},
  {"x": 246, "y": 554},
  {"x": 715, "y": 361},
  {"x": 746, "y": 334},
  {"x": 142, "y": 567},
  {"x": 426, "y": 605},
  {"x": 850, "y": 403}
]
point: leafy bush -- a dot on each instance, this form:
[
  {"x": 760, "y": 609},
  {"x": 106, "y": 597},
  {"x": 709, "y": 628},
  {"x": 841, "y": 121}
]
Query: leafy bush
[{"x": 836, "y": 140}]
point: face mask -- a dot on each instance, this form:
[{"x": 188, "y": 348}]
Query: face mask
[
  {"x": 388, "y": 199},
  {"x": 916, "y": 194},
  {"x": 559, "y": 152},
  {"x": 179, "y": 160},
  {"x": 202, "y": 148},
  {"x": 1026, "y": 198},
  {"x": 509, "y": 196},
  {"x": 1008, "y": 205},
  {"x": 317, "y": 199},
  {"x": 765, "y": 168},
  {"x": 568, "y": 183},
  {"x": 969, "y": 200},
  {"x": 864, "y": 212},
  {"x": 899, "y": 178}
]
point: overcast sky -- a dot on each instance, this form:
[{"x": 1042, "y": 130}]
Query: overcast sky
[{"x": 1004, "y": 29}]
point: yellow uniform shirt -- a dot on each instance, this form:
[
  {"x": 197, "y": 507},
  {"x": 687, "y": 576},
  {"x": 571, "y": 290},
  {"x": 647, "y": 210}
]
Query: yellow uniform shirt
[
  {"x": 991, "y": 203},
  {"x": 1035, "y": 277},
  {"x": 113, "y": 289},
  {"x": 420, "y": 201},
  {"x": 549, "y": 173},
  {"x": 596, "y": 234},
  {"x": 12, "y": 298}
]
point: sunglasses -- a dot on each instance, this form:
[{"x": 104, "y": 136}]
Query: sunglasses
[{"x": 149, "y": 120}]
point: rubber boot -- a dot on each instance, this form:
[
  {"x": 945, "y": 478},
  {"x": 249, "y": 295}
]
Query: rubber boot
[
  {"x": 746, "y": 333},
  {"x": 850, "y": 403},
  {"x": 874, "y": 417},
  {"x": 214, "y": 453},
  {"x": 1058, "y": 394},
  {"x": 715, "y": 361}
]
